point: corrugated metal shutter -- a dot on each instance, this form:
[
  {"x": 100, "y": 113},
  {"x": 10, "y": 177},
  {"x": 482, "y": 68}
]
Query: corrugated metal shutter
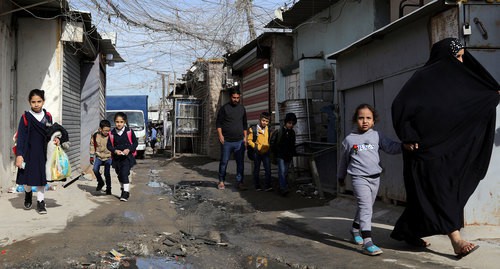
[
  {"x": 71, "y": 119},
  {"x": 102, "y": 94},
  {"x": 255, "y": 90}
]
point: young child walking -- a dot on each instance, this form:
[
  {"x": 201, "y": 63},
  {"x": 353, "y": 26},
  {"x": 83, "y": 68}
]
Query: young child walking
[
  {"x": 360, "y": 159},
  {"x": 31, "y": 149},
  {"x": 100, "y": 155},
  {"x": 259, "y": 141},
  {"x": 122, "y": 143},
  {"x": 283, "y": 147}
]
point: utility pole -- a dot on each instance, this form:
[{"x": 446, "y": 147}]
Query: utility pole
[
  {"x": 168, "y": 84},
  {"x": 163, "y": 111},
  {"x": 162, "y": 106},
  {"x": 173, "y": 117},
  {"x": 175, "y": 83}
]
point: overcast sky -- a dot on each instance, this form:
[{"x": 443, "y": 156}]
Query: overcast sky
[{"x": 149, "y": 52}]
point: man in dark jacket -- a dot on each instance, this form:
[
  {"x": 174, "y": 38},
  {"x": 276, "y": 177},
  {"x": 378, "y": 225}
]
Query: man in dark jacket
[{"x": 232, "y": 132}]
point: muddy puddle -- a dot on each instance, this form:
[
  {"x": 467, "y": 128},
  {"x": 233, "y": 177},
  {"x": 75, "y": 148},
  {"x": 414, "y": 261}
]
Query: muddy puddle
[{"x": 159, "y": 262}]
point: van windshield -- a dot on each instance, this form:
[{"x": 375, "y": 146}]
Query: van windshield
[{"x": 135, "y": 119}]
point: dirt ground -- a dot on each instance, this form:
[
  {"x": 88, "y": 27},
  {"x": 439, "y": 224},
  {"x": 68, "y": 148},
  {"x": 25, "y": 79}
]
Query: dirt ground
[{"x": 175, "y": 218}]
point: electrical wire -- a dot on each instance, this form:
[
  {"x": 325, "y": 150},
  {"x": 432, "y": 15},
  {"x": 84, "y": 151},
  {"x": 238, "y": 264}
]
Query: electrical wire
[{"x": 167, "y": 36}]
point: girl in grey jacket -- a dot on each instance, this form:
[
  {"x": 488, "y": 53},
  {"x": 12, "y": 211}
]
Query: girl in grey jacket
[{"x": 360, "y": 159}]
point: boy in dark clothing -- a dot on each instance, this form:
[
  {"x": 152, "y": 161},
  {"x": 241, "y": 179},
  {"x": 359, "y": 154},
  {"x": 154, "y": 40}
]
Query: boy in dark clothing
[
  {"x": 283, "y": 146},
  {"x": 100, "y": 155}
]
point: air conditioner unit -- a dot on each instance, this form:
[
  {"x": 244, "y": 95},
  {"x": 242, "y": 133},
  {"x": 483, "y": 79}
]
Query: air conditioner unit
[{"x": 201, "y": 77}]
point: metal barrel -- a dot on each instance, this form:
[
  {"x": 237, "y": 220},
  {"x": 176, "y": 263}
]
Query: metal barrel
[{"x": 304, "y": 129}]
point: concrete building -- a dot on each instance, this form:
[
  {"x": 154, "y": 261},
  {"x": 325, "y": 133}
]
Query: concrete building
[
  {"x": 318, "y": 28},
  {"x": 195, "y": 103},
  {"x": 374, "y": 68},
  {"x": 47, "y": 46},
  {"x": 299, "y": 78}
]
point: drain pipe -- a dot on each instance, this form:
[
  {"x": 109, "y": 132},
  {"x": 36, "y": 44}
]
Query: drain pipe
[
  {"x": 13, "y": 70},
  {"x": 307, "y": 114}
]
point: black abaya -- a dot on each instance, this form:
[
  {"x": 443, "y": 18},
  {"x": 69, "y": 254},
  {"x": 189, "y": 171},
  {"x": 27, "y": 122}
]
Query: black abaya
[{"x": 449, "y": 109}]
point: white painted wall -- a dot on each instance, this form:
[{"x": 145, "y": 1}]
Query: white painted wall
[
  {"x": 7, "y": 174},
  {"x": 40, "y": 64}
]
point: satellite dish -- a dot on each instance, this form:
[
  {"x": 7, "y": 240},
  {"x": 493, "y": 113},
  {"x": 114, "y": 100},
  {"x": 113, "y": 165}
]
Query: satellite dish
[{"x": 279, "y": 14}]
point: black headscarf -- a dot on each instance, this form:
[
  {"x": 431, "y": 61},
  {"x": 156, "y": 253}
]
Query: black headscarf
[{"x": 449, "y": 109}]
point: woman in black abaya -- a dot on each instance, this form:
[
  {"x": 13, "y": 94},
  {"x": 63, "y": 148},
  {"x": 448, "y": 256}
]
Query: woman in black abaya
[{"x": 446, "y": 112}]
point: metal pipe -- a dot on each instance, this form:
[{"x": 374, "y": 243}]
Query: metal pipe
[{"x": 307, "y": 117}]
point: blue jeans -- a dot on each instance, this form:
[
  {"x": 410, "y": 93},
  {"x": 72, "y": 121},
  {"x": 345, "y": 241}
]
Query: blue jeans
[
  {"x": 283, "y": 173},
  {"x": 266, "y": 161},
  {"x": 238, "y": 148},
  {"x": 107, "y": 168}
]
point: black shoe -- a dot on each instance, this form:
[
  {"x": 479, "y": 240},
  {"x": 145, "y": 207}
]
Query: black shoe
[
  {"x": 99, "y": 186},
  {"x": 284, "y": 193},
  {"x": 125, "y": 195},
  {"x": 108, "y": 191},
  {"x": 28, "y": 199},
  {"x": 241, "y": 187},
  {"x": 40, "y": 207}
]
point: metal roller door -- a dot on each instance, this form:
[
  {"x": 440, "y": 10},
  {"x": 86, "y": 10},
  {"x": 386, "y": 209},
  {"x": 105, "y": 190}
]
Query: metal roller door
[
  {"x": 255, "y": 90},
  {"x": 71, "y": 119}
]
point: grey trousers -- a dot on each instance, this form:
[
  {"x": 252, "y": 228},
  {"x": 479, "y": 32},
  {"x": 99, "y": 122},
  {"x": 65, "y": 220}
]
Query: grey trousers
[{"x": 365, "y": 190}]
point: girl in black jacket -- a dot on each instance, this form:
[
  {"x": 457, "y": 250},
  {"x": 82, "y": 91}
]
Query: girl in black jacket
[{"x": 122, "y": 143}]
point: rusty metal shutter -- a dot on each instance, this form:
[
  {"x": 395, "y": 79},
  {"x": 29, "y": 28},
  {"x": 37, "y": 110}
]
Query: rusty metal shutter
[
  {"x": 71, "y": 119},
  {"x": 255, "y": 90}
]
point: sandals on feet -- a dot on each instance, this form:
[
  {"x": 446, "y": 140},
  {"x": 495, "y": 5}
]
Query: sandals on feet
[
  {"x": 372, "y": 250},
  {"x": 464, "y": 252},
  {"x": 221, "y": 186},
  {"x": 357, "y": 238}
]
